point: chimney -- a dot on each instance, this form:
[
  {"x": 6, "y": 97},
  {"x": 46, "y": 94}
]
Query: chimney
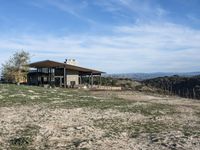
[{"x": 71, "y": 62}]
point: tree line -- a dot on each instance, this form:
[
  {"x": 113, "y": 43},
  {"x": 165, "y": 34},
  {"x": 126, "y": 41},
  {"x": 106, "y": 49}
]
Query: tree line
[{"x": 188, "y": 87}]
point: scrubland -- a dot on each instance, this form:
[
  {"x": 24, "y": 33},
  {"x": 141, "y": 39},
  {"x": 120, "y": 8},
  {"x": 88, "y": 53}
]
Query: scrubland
[{"x": 35, "y": 118}]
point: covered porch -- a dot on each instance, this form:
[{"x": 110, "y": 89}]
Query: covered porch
[{"x": 62, "y": 75}]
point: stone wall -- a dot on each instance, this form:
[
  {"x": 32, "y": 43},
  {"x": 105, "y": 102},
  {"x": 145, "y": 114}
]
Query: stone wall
[{"x": 72, "y": 76}]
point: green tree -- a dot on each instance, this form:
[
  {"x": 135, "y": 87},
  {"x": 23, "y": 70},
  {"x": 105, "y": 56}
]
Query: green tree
[{"x": 16, "y": 68}]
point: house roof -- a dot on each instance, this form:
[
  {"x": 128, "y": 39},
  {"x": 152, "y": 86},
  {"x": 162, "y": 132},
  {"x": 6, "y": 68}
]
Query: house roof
[{"x": 54, "y": 64}]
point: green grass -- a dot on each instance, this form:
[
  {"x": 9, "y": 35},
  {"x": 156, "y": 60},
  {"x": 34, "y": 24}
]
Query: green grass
[
  {"x": 26, "y": 95},
  {"x": 23, "y": 138},
  {"x": 197, "y": 114},
  {"x": 150, "y": 109},
  {"x": 189, "y": 130},
  {"x": 69, "y": 98},
  {"x": 12, "y": 95},
  {"x": 116, "y": 126}
]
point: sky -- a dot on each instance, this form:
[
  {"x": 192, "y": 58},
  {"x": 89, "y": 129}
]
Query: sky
[{"x": 115, "y": 36}]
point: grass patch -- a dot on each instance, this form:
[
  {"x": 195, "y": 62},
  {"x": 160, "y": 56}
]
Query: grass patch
[
  {"x": 150, "y": 109},
  {"x": 23, "y": 138},
  {"x": 189, "y": 130},
  {"x": 116, "y": 126},
  {"x": 69, "y": 98},
  {"x": 122, "y": 105},
  {"x": 197, "y": 114},
  {"x": 27, "y": 95}
]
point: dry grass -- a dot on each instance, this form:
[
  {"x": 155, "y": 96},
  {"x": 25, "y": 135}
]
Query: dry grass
[{"x": 38, "y": 118}]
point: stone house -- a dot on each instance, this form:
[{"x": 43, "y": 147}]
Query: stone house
[{"x": 67, "y": 74}]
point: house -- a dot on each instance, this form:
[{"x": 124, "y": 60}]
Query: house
[{"x": 67, "y": 74}]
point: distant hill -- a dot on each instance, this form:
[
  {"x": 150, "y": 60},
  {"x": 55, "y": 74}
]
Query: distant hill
[
  {"x": 188, "y": 87},
  {"x": 144, "y": 76}
]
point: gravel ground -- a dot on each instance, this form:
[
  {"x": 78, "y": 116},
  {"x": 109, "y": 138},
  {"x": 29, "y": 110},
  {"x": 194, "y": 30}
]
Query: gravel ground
[{"x": 146, "y": 122}]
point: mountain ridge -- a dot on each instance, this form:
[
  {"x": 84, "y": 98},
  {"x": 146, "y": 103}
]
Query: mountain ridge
[{"x": 145, "y": 76}]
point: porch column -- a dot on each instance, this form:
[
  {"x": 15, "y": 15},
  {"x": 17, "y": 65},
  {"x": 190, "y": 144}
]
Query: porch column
[
  {"x": 89, "y": 80},
  {"x": 100, "y": 79},
  {"x": 80, "y": 79},
  {"x": 92, "y": 80},
  {"x": 49, "y": 80},
  {"x": 65, "y": 85},
  {"x": 51, "y": 75},
  {"x": 60, "y": 79},
  {"x": 37, "y": 77}
]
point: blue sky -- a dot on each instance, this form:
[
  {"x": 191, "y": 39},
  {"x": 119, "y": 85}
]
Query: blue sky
[{"x": 116, "y": 36}]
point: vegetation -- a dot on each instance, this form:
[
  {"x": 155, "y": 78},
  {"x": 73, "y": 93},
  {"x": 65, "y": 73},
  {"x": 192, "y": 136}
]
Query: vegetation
[
  {"x": 104, "y": 80},
  {"x": 24, "y": 138},
  {"x": 116, "y": 126},
  {"x": 125, "y": 83},
  {"x": 188, "y": 87},
  {"x": 28, "y": 95},
  {"x": 44, "y": 118},
  {"x": 15, "y": 69}
]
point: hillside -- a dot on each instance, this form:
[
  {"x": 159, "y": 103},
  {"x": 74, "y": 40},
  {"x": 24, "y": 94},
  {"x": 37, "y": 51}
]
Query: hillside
[
  {"x": 37, "y": 118},
  {"x": 188, "y": 87},
  {"x": 145, "y": 76}
]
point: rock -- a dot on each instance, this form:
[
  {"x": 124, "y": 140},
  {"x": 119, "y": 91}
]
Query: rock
[{"x": 78, "y": 128}]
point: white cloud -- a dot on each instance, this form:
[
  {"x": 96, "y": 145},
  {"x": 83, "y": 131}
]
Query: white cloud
[
  {"x": 137, "y": 10},
  {"x": 68, "y": 6},
  {"x": 136, "y": 48}
]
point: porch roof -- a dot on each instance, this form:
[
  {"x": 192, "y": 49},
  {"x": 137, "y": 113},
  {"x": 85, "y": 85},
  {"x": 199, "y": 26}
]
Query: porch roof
[{"x": 54, "y": 64}]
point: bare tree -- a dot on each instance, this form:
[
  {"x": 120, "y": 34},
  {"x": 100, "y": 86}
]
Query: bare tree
[{"x": 15, "y": 69}]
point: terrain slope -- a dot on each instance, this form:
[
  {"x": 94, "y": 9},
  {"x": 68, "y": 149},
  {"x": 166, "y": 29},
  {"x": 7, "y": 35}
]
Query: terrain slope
[{"x": 37, "y": 118}]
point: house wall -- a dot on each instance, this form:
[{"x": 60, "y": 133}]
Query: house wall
[{"x": 72, "y": 76}]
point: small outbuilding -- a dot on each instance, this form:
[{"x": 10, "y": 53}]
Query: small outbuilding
[{"x": 67, "y": 74}]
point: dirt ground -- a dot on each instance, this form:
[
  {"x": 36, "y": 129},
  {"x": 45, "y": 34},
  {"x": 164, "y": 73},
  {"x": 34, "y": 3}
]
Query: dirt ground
[{"x": 32, "y": 118}]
